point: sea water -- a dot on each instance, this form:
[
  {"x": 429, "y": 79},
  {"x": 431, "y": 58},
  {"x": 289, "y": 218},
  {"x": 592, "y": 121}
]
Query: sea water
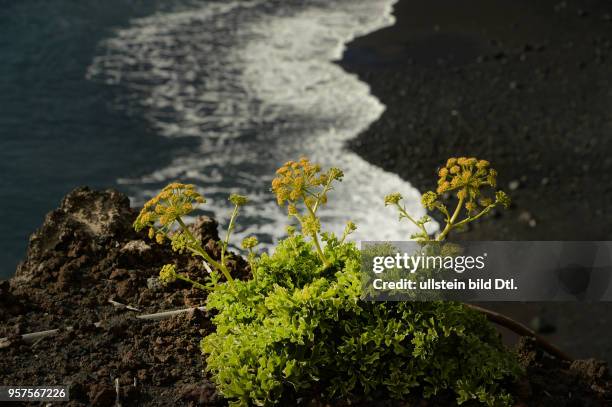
[
  {"x": 256, "y": 83},
  {"x": 243, "y": 86}
]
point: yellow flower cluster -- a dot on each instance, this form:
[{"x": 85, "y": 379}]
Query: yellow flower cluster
[
  {"x": 393, "y": 198},
  {"x": 349, "y": 228},
  {"x": 238, "y": 200},
  {"x": 167, "y": 274},
  {"x": 310, "y": 225},
  {"x": 180, "y": 242},
  {"x": 159, "y": 213},
  {"x": 466, "y": 175},
  {"x": 302, "y": 184},
  {"x": 502, "y": 198},
  {"x": 429, "y": 200},
  {"x": 249, "y": 242},
  {"x": 296, "y": 179}
]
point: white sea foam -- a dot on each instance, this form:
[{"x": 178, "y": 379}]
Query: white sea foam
[{"x": 256, "y": 83}]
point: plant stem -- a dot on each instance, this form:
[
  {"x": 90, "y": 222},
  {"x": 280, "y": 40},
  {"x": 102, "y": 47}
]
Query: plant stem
[
  {"x": 193, "y": 283},
  {"x": 411, "y": 219},
  {"x": 480, "y": 214},
  {"x": 230, "y": 228},
  {"x": 200, "y": 251},
  {"x": 451, "y": 221},
  {"x": 315, "y": 238},
  {"x": 344, "y": 236},
  {"x": 326, "y": 189}
]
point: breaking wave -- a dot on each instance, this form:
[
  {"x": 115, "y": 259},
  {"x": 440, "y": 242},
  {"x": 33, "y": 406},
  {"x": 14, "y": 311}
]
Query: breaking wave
[{"x": 256, "y": 84}]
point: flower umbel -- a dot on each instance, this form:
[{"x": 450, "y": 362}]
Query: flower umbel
[
  {"x": 167, "y": 274},
  {"x": 502, "y": 198},
  {"x": 161, "y": 212},
  {"x": 302, "y": 182},
  {"x": 249, "y": 242},
  {"x": 238, "y": 200},
  {"x": 429, "y": 199},
  {"x": 162, "y": 216},
  {"x": 393, "y": 199},
  {"x": 469, "y": 179},
  {"x": 297, "y": 179},
  {"x": 349, "y": 228}
]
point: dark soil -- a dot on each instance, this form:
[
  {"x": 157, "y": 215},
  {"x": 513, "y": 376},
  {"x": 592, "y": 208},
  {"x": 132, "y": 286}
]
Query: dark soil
[{"x": 87, "y": 253}]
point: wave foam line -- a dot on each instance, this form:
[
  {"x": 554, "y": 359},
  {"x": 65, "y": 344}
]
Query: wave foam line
[{"x": 257, "y": 84}]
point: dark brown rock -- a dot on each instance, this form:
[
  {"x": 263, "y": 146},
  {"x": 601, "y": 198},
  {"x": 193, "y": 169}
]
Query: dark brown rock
[
  {"x": 84, "y": 220},
  {"x": 84, "y": 254},
  {"x": 102, "y": 395}
]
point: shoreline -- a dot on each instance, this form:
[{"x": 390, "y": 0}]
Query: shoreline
[
  {"x": 525, "y": 86},
  {"x": 509, "y": 93}
]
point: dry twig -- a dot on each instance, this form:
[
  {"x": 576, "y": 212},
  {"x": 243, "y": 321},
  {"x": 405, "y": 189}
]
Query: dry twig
[{"x": 521, "y": 330}]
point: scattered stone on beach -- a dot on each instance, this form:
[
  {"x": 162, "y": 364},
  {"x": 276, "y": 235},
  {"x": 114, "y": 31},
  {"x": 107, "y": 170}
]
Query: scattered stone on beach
[{"x": 527, "y": 218}]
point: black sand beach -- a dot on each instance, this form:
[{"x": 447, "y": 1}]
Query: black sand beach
[{"x": 524, "y": 84}]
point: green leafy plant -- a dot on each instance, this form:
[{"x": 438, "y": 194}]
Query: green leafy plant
[{"x": 297, "y": 329}]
